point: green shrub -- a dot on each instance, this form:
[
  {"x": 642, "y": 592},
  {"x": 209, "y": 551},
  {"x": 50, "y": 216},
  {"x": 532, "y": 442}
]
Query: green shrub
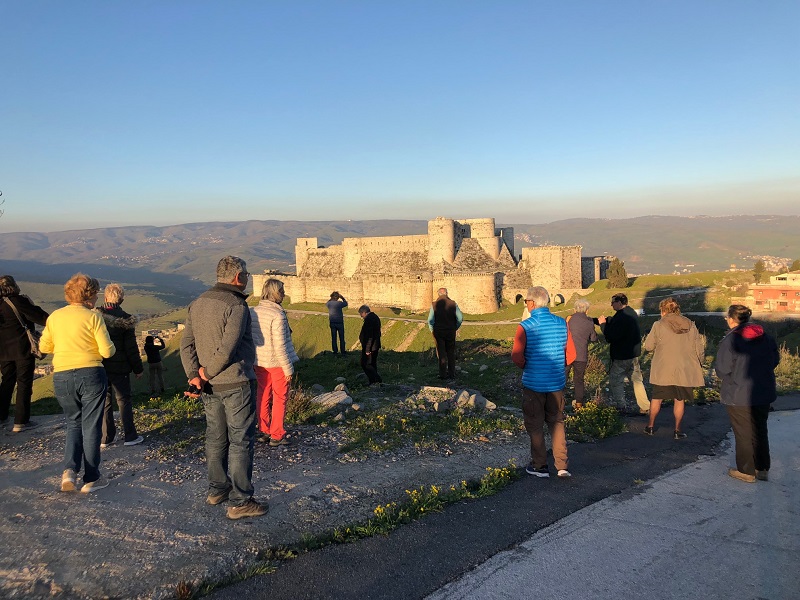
[{"x": 594, "y": 421}]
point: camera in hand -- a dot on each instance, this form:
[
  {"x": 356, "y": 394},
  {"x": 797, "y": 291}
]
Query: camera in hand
[{"x": 193, "y": 391}]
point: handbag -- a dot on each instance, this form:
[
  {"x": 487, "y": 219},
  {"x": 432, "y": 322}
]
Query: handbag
[{"x": 33, "y": 335}]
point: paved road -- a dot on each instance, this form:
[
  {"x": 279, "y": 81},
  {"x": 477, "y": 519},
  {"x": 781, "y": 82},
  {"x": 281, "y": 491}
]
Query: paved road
[{"x": 625, "y": 554}]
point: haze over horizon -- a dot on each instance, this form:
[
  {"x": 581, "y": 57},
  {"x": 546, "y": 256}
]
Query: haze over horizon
[{"x": 161, "y": 114}]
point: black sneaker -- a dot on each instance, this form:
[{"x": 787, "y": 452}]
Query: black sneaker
[
  {"x": 540, "y": 472},
  {"x": 679, "y": 435},
  {"x": 648, "y": 430},
  {"x": 251, "y": 508}
]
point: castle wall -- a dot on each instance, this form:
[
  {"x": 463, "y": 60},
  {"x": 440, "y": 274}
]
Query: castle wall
[
  {"x": 570, "y": 267},
  {"x": 593, "y": 268},
  {"x": 475, "y": 293}
]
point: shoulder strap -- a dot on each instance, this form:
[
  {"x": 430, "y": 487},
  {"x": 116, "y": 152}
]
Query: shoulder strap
[{"x": 16, "y": 312}]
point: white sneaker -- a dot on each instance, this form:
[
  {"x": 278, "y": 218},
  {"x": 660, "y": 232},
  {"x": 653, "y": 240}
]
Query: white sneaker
[
  {"x": 95, "y": 485},
  {"x": 138, "y": 440},
  {"x": 563, "y": 473},
  {"x": 68, "y": 480}
]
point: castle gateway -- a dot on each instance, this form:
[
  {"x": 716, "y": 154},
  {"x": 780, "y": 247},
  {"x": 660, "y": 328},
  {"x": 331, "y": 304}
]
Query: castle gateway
[{"x": 471, "y": 258}]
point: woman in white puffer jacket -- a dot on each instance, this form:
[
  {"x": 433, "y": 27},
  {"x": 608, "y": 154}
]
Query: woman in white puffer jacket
[{"x": 274, "y": 366}]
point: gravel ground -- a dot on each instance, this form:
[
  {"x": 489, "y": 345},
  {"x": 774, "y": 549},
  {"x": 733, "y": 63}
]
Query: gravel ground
[{"x": 151, "y": 528}]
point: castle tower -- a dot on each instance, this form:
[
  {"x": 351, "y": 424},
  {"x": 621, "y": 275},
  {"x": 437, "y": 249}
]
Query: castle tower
[
  {"x": 301, "y": 248},
  {"x": 441, "y": 240}
]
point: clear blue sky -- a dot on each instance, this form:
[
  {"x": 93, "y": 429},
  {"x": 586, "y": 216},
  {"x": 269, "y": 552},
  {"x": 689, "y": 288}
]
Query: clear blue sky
[{"x": 154, "y": 112}]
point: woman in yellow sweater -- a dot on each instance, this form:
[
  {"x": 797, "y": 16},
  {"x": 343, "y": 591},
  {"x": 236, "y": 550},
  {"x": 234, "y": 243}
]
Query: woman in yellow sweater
[{"x": 79, "y": 341}]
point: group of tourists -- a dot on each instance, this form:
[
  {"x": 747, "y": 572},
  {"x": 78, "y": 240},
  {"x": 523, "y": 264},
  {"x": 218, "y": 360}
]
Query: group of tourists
[
  {"x": 240, "y": 361},
  {"x": 547, "y": 348}
]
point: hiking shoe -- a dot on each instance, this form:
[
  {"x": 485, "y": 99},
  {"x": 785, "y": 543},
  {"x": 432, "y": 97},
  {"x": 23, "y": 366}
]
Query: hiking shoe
[
  {"x": 68, "y": 480},
  {"x": 284, "y": 441},
  {"x": 540, "y": 472},
  {"x": 251, "y": 508},
  {"x": 742, "y": 476},
  {"x": 217, "y": 497},
  {"x": 93, "y": 486},
  {"x": 19, "y": 427},
  {"x": 762, "y": 475},
  {"x": 263, "y": 438},
  {"x": 679, "y": 435},
  {"x": 106, "y": 445},
  {"x": 563, "y": 473},
  {"x": 649, "y": 430},
  {"x": 135, "y": 442}
]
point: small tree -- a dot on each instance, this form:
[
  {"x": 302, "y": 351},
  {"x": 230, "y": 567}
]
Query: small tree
[
  {"x": 795, "y": 265},
  {"x": 617, "y": 276},
  {"x": 758, "y": 270}
]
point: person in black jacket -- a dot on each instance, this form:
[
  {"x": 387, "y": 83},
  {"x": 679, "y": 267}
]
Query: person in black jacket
[
  {"x": 370, "y": 338},
  {"x": 746, "y": 361},
  {"x": 625, "y": 345},
  {"x": 121, "y": 328},
  {"x": 153, "y": 346},
  {"x": 16, "y": 361}
]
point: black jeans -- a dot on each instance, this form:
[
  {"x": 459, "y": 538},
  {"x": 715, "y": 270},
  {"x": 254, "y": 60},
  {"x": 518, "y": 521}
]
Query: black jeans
[
  {"x": 17, "y": 373},
  {"x": 750, "y": 432},
  {"x": 446, "y": 351},
  {"x": 370, "y": 366},
  {"x": 337, "y": 329},
  {"x": 119, "y": 387}
]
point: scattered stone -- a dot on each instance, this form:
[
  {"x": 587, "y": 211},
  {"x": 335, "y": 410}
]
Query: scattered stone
[
  {"x": 330, "y": 399},
  {"x": 339, "y": 418},
  {"x": 317, "y": 389},
  {"x": 355, "y": 406},
  {"x": 483, "y": 368},
  {"x": 341, "y": 379},
  {"x": 341, "y": 387}
]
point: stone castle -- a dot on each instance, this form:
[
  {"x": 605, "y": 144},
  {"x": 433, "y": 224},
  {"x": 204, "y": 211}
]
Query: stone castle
[{"x": 471, "y": 258}]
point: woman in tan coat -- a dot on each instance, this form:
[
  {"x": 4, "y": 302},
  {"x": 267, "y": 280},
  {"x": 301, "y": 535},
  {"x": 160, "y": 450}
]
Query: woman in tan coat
[{"x": 678, "y": 352}]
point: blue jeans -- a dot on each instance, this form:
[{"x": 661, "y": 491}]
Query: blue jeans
[
  {"x": 230, "y": 431},
  {"x": 81, "y": 393}
]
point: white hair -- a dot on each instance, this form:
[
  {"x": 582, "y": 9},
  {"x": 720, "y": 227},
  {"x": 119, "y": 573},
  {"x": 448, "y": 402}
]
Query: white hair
[{"x": 539, "y": 296}]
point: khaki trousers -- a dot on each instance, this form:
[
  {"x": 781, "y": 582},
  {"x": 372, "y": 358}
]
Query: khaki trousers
[{"x": 539, "y": 408}]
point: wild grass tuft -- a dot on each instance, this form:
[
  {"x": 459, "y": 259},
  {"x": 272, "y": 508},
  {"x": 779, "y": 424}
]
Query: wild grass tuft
[{"x": 594, "y": 421}]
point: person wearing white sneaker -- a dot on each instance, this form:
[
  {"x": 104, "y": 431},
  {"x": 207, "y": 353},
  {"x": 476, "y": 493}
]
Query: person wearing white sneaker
[
  {"x": 540, "y": 351},
  {"x": 135, "y": 442},
  {"x": 69, "y": 480},
  {"x": 78, "y": 340},
  {"x": 563, "y": 473}
]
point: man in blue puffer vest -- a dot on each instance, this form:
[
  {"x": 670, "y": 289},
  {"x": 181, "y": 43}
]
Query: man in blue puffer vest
[{"x": 539, "y": 350}]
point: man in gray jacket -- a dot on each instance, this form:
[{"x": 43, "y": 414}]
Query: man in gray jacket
[{"x": 217, "y": 353}]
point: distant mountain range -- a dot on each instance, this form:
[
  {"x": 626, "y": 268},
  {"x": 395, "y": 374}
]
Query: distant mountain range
[{"x": 181, "y": 259}]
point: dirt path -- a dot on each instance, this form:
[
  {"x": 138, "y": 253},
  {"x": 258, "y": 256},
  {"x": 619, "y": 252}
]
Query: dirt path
[{"x": 151, "y": 527}]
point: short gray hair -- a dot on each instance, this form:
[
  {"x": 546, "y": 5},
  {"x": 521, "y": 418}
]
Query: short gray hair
[
  {"x": 114, "y": 293},
  {"x": 442, "y": 291},
  {"x": 582, "y": 305},
  {"x": 363, "y": 309},
  {"x": 229, "y": 267},
  {"x": 271, "y": 290},
  {"x": 539, "y": 296}
]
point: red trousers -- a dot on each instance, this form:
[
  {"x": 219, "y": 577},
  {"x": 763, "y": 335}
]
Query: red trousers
[{"x": 273, "y": 389}]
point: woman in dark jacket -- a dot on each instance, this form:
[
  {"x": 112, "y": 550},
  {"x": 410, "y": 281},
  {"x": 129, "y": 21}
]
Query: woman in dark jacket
[
  {"x": 16, "y": 361},
  {"x": 746, "y": 361}
]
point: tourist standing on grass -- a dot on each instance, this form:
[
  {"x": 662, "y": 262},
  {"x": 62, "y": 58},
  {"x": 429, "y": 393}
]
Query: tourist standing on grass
[
  {"x": 370, "y": 338},
  {"x": 625, "y": 345},
  {"x": 16, "y": 361},
  {"x": 677, "y": 366},
  {"x": 335, "y": 306},
  {"x": 539, "y": 350},
  {"x": 217, "y": 353},
  {"x": 153, "y": 346},
  {"x": 581, "y": 327},
  {"x": 77, "y": 337},
  {"x": 126, "y": 360},
  {"x": 274, "y": 366},
  {"x": 444, "y": 319},
  {"x": 746, "y": 361}
]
